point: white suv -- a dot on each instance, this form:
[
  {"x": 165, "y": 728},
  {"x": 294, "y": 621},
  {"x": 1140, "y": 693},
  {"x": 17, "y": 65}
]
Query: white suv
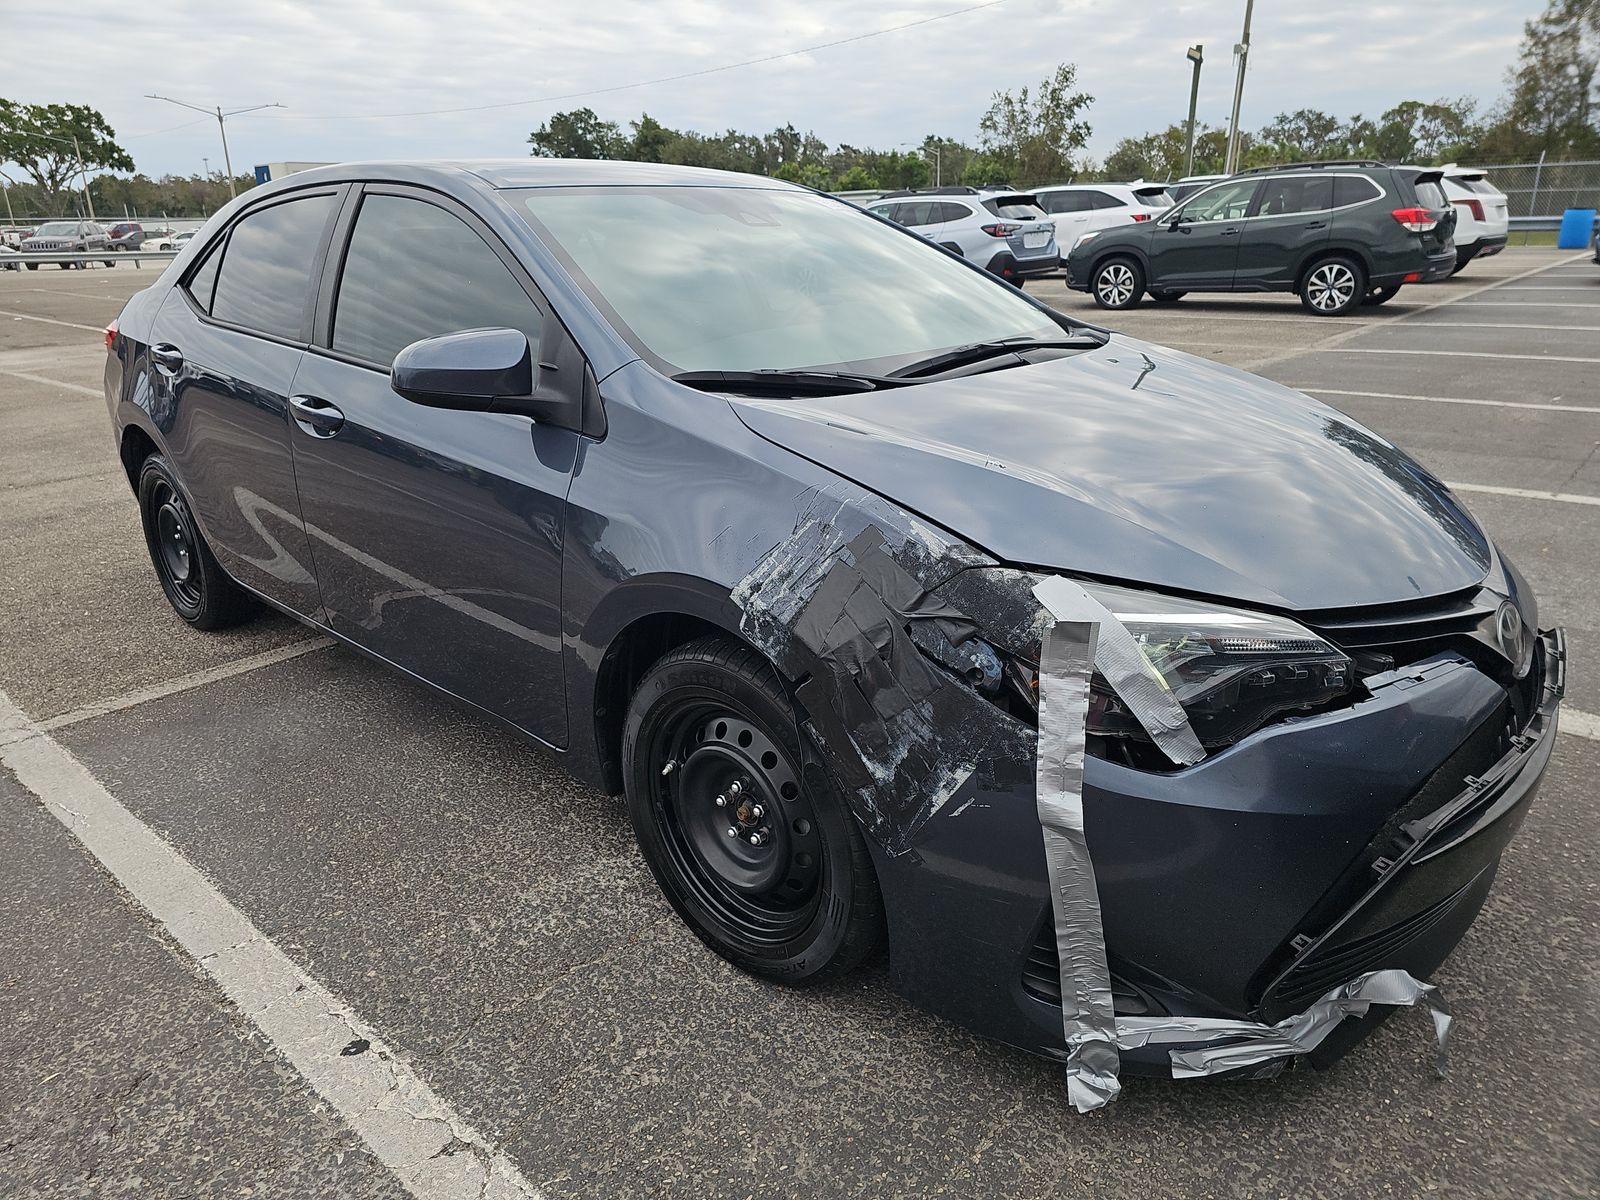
[
  {"x": 1080, "y": 208},
  {"x": 1003, "y": 232},
  {"x": 1481, "y": 221}
]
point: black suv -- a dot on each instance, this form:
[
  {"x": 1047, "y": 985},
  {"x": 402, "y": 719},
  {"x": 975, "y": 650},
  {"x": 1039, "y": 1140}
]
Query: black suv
[{"x": 1338, "y": 233}]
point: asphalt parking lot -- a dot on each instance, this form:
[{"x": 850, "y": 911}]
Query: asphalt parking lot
[{"x": 494, "y": 926}]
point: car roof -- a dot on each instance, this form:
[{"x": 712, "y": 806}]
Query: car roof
[{"x": 538, "y": 172}]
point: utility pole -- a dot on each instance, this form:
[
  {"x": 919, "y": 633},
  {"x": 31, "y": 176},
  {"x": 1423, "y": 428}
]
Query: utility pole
[
  {"x": 1196, "y": 55},
  {"x": 221, "y": 125},
  {"x": 1241, "y": 53}
]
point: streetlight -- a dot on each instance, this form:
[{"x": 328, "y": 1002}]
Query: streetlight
[
  {"x": 1197, "y": 56},
  {"x": 1241, "y": 53},
  {"x": 221, "y": 117}
]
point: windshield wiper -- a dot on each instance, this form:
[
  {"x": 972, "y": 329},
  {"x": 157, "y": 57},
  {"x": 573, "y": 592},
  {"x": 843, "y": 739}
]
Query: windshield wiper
[
  {"x": 960, "y": 356},
  {"x": 784, "y": 383}
]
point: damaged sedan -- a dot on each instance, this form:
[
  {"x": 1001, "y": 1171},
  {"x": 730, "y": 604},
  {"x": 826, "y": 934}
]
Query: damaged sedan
[{"x": 1140, "y": 707}]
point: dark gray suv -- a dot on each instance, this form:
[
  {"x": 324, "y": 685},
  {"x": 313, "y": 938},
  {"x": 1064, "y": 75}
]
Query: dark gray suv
[{"x": 1340, "y": 234}]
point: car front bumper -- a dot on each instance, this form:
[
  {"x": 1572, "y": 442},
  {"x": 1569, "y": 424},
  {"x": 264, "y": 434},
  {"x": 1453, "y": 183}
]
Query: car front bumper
[{"x": 1248, "y": 885}]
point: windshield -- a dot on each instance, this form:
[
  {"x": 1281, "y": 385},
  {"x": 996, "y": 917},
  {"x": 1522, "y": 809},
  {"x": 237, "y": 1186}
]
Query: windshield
[
  {"x": 1015, "y": 208},
  {"x": 1430, "y": 195},
  {"x": 57, "y": 229},
  {"x": 744, "y": 279},
  {"x": 1153, "y": 197}
]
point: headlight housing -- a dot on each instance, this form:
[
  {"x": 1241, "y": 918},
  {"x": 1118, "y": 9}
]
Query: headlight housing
[{"x": 1231, "y": 669}]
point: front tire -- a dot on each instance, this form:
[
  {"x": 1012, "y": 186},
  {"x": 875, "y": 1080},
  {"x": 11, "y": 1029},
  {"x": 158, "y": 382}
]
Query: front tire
[
  {"x": 196, "y": 587},
  {"x": 1333, "y": 286},
  {"x": 1117, "y": 283},
  {"x": 777, "y": 878}
]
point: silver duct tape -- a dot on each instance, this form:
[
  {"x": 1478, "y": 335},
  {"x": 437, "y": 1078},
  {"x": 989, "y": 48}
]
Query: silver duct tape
[
  {"x": 1248, "y": 1043},
  {"x": 1126, "y": 669},
  {"x": 1088, "y": 1017}
]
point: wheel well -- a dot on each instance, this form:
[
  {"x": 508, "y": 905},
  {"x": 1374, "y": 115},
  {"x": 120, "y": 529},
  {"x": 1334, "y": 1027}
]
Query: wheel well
[
  {"x": 1129, "y": 255},
  {"x": 1326, "y": 253},
  {"x": 629, "y": 657},
  {"x": 137, "y": 445}
]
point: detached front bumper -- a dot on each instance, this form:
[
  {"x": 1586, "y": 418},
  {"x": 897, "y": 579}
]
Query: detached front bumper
[{"x": 1250, "y": 884}]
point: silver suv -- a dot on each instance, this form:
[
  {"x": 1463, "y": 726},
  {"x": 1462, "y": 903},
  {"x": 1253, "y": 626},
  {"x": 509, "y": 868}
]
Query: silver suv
[{"x": 1006, "y": 233}]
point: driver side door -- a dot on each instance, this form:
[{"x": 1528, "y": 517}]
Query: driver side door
[{"x": 1197, "y": 248}]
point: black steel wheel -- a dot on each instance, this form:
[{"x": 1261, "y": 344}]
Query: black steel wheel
[
  {"x": 198, "y": 589},
  {"x": 753, "y": 849}
]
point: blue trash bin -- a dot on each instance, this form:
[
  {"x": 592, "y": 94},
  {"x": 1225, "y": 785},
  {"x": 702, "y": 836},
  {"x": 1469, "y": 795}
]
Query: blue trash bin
[{"x": 1577, "y": 224}]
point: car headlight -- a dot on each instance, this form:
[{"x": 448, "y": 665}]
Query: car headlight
[{"x": 1231, "y": 669}]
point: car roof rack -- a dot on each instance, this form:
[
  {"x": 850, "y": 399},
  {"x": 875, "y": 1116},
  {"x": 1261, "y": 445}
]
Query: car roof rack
[
  {"x": 1304, "y": 166},
  {"x": 938, "y": 191}
]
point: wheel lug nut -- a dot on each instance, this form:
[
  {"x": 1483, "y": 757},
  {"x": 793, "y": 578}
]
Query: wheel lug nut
[
  {"x": 735, "y": 788},
  {"x": 733, "y": 832},
  {"x": 721, "y": 802},
  {"x": 757, "y": 838},
  {"x": 757, "y": 812}
]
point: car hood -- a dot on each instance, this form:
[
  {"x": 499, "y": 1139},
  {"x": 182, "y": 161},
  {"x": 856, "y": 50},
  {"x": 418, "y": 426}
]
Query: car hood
[{"x": 1136, "y": 463}]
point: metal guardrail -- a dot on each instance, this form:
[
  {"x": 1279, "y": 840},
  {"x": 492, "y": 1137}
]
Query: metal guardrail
[
  {"x": 1535, "y": 224},
  {"x": 110, "y": 257}
]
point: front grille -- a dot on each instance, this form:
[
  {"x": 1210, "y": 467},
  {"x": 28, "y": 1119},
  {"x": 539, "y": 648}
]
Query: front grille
[
  {"x": 1405, "y": 631},
  {"x": 1041, "y": 978}
]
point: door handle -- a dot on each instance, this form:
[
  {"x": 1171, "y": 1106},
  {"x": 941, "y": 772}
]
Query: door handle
[
  {"x": 1316, "y": 224},
  {"x": 167, "y": 358},
  {"x": 1234, "y": 232},
  {"x": 317, "y": 417}
]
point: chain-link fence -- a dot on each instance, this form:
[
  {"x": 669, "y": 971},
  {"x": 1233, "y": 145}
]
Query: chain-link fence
[{"x": 1547, "y": 189}]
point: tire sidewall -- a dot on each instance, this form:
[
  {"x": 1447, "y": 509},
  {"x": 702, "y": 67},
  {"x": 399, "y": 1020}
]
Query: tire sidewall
[
  {"x": 1138, "y": 282},
  {"x": 685, "y": 681},
  {"x": 155, "y": 470},
  {"x": 1357, "y": 294}
]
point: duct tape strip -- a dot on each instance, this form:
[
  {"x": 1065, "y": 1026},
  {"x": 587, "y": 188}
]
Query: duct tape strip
[{"x": 1087, "y": 636}]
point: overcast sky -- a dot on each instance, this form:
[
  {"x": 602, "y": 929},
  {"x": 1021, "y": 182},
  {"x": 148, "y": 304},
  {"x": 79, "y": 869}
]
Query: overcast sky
[{"x": 336, "y": 62}]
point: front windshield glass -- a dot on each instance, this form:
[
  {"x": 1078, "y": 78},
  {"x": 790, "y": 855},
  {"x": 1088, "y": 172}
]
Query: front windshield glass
[
  {"x": 57, "y": 229},
  {"x": 743, "y": 279}
]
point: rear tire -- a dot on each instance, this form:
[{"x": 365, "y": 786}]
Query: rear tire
[
  {"x": 1333, "y": 286},
  {"x": 1381, "y": 295},
  {"x": 800, "y": 903},
  {"x": 197, "y": 588},
  {"x": 1117, "y": 283}
]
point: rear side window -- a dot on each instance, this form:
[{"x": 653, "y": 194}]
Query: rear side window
[
  {"x": 1296, "y": 194},
  {"x": 1062, "y": 202},
  {"x": 1014, "y": 208},
  {"x": 264, "y": 283},
  {"x": 1352, "y": 189},
  {"x": 1430, "y": 195},
  {"x": 917, "y": 213},
  {"x": 947, "y": 212},
  {"x": 1107, "y": 200},
  {"x": 415, "y": 271},
  {"x": 203, "y": 282}
]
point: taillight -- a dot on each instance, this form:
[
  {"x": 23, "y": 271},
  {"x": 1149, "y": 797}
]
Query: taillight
[
  {"x": 1475, "y": 207},
  {"x": 1417, "y": 220},
  {"x": 1001, "y": 229},
  {"x": 111, "y": 336},
  {"x": 1141, "y": 216}
]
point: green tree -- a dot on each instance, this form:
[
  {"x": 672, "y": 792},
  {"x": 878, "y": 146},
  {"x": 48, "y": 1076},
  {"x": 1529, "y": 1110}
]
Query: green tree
[
  {"x": 578, "y": 134},
  {"x": 1551, "y": 108},
  {"x": 1036, "y": 132},
  {"x": 1414, "y": 131},
  {"x": 857, "y": 179},
  {"x": 812, "y": 175},
  {"x": 984, "y": 169},
  {"x": 39, "y": 139},
  {"x": 650, "y": 139},
  {"x": 1307, "y": 134}
]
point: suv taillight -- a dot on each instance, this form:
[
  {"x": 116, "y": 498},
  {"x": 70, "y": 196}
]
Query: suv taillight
[
  {"x": 111, "y": 336},
  {"x": 1001, "y": 229},
  {"x": 1141, "y": 216},
  {"x": 1417, "y": 220},
  {"x": 1475, "y": 207}
]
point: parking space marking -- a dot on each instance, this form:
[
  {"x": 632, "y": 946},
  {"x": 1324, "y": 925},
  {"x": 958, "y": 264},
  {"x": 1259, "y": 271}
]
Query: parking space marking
[
  {"x": 71, "y": 387},
  {"x": 185, "y": 683},
  {"x": 1525, "y": 304},
  {"x": 1510, "y": 324},
  {"x": 416, "y": 1134},
  {"x": 1489, "y": 489},
  {"x": 16, "y": 316},
  {"x": 1579, "y": 723},
  {"x": 1564, "y": 358},
  {"x": 1572, "y": 408}
]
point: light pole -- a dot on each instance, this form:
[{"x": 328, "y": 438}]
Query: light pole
[
  {"x": 221, "y": 126},
  {"x": 938, "y": 159},
  {"x": 1241, "y": 53},
  {"x": 1197, "y": 56}
]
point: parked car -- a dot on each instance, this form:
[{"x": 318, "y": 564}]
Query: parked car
[
  {"x": 66, "y": 237},
  {"x": 1482, "y": 223},
  {"x": 1006, "y": 233},
  {"x": 158, "y": 239},
  {"x": 1190, "y": 184},
  {"x": 741, "y": 519},
  {"x": 12, "y": 235},
  {"x": 1077, "y": 208},
  {"x": 10, "y": 258},
  {"x": 1339, "y": 234},
  {"x": 126, "y": 235},
  {"x": 182, "y": 238}
]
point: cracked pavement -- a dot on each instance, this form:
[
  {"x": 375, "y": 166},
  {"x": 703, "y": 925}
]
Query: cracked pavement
[{"x": 488, "y": 924}]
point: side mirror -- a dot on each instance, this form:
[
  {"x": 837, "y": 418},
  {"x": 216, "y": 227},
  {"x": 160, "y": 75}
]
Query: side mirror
[{"x": 493, "y": 370}]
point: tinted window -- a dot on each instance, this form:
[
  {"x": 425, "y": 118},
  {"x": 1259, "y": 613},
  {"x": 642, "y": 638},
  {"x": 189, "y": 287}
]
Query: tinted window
[
  {"x": 1106, "y": 200},
  {"x": 204, "y": 281},
  {"x": 950, "y": 212},
  {"x": 1061, "y": 202},
  {"x": 1352, "y": 189},
  {"x": 1295, "y": 194},
  {"x": 265, "y": 279},
  {"x": 917, "y": 213},
  {"x": 1225, "y": 202},
  {"x": 1014, "y": 208},
  {"x": 1153, "y": 197},
  {"x": 883, "y": 210},
  {"x": 415, "y": 271},
  {"x": 1431, "y": 195}
]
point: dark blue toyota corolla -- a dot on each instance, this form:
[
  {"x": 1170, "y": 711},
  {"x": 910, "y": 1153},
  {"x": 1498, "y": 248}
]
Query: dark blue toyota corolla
[{"x": 733, "y": 497}]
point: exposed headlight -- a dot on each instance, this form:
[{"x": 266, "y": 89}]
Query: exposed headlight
[{"x": 1231, "y": 669}]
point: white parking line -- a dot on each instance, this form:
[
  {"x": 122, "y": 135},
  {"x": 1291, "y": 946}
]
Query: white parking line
[
  {"x": 407, "y": 1126},
  {"x": 1565, "y": 358},
  {"x": 16, "y": 316},
  {"x": 1523, "y": 493},
  {"x": 1524, "y": 304},
  {"x": 71, "y": 387},
  {"x": 1581, "y": 724},
  {"x": 184, "y": 683},
  {"x": 1572, "y": 408}
]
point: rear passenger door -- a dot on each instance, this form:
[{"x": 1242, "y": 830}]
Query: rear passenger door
[
  {"x": 436, "y": 533},
  {"x": 223, "y": 351},
  {"x": 1070, "y": 212},
  {"x": 1290, "y": 225}
]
